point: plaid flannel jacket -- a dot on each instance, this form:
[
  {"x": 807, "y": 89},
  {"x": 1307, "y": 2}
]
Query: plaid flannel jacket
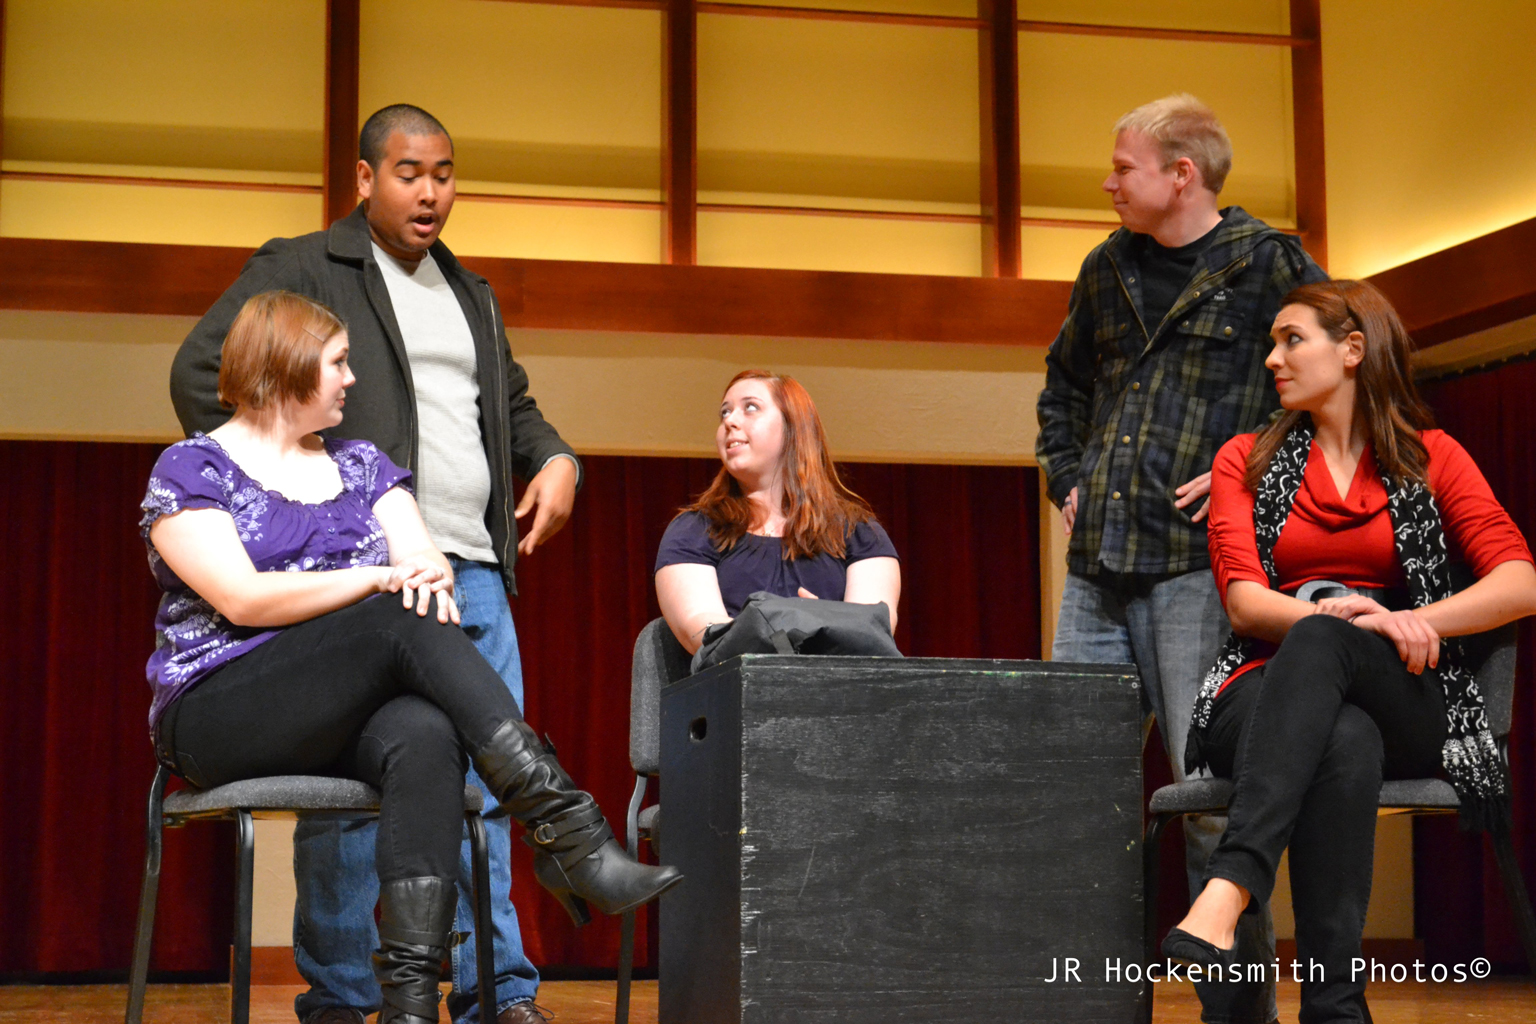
[{"x": 1132, "y": 410}]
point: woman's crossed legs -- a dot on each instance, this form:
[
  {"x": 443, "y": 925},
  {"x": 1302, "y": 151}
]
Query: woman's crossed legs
[
  {"x": 373, "y": 692},
  {"x": 1309, "y": 737}
]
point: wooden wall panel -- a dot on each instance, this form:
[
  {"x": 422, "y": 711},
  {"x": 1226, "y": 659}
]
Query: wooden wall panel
[
  {"x": 118, "y": 277},
  {"x": 1001, "y": 233},
  {"x": 343, "y": 34},
  {"x": 680, "y": 134},
  {"x": 1307, "y": 112},
  {"x": 1478, "y": 284}
]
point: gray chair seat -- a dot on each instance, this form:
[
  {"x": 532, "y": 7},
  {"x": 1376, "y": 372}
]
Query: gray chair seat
[
  {"x": 1418, "y": 793},
  {"x": 279, "y": 796},
  {"x": 1192, "y": 796},
  {"x": 1212, "y": 795},
  {"x": 288, "y": 796}
]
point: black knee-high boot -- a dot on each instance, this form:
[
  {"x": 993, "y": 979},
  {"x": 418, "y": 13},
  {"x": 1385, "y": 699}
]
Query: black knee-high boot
[
  {"x": 576, "y": 856},
  {"x": 415, "y": 915}
]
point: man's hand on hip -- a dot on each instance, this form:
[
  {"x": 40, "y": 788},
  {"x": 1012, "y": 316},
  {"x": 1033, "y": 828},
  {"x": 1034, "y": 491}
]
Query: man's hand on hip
[
  {"x": 1069, "y": 511},
  {"x": 552, "y": 491},
  {"x": 1199, "y": 487}
]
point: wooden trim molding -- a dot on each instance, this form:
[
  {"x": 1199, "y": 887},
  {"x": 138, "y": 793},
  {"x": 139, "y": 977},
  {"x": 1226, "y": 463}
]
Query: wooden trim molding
[
  {"x": 1183, "y": 34},
  {"x": 754, "y": 10},
  {"x": 128, "y": 179},
  {"x": 123, "y": 277},
  {"x": 343, "y": 47},
  {"x": 830, "y": 14},
  {"x": 680, "y": 134},
  {"x": 775, "y": 303},
  {"x": 1311, "y": 166},
  {"x": 1479, "y": 284},
  {"x": 1001, "y": 182},
  {"x": 115, "y": 277}
]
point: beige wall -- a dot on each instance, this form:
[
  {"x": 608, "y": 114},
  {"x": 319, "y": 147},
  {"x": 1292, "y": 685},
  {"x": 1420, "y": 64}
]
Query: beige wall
[
  {"x": 105, "y": 376},
  {"x": 1429, "y": 106}
]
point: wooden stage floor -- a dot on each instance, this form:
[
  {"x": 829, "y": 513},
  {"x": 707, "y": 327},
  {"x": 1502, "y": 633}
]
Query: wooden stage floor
[{"x": 1498, "y": 1001}]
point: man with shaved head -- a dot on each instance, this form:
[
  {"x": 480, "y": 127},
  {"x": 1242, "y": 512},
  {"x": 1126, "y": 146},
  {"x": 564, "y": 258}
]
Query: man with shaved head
[{"x": 438, "y": 391}]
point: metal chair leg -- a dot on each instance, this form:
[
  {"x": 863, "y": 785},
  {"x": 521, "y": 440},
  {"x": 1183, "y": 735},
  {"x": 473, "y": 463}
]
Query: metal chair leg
[
  {"x": 485, "y": 934},
  {"x": 149, "y": 894},
  {"x": 240, "y": 966},
  {"x": 1151, "y": 864},
  {"x": 1519, "y": 898},
  {"x": 627, "y": 927}
]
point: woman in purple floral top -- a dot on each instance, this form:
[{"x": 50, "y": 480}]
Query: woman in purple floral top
[{"x": 276, "y": 652}]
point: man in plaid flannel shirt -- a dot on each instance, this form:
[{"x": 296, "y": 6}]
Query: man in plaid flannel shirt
[{"x": 1160, "y": 361}]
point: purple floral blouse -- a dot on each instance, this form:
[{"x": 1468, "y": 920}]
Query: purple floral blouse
[{"x": 192, "y": 640}]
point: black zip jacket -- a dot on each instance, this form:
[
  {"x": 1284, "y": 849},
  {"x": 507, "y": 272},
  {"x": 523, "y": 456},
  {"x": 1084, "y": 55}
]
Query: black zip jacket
[{"x": 336, "y": 267}]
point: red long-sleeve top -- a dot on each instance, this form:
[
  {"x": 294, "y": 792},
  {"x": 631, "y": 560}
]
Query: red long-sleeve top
[{"x": 1348, "y": 538}]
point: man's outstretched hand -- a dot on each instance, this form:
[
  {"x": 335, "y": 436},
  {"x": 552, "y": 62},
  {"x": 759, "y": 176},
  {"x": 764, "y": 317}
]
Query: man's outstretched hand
[{"x": 552, "y": 491}]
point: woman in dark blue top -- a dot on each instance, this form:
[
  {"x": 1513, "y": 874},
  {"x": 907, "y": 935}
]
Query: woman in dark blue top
[{"x": 776, "y": 518}]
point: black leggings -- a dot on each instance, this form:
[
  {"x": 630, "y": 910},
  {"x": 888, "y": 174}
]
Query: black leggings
[
  {"x": 1308, "y": 738},
  {"x": 372, "y": 692}
]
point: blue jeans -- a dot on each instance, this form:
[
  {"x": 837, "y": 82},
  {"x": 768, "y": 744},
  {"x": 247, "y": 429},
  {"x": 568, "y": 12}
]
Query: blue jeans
[
  {"x": 333, "y": 864},
  {"x": 1170, "y": 628}
]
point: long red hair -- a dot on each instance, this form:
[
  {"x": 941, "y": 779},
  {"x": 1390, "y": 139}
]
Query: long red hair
[{"x": 819, "y": 511}]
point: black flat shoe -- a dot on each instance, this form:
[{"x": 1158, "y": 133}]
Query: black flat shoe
[{"x": 1186, "y": 948}]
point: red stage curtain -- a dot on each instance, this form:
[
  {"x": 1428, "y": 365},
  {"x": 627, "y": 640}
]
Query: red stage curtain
[
  {"x": 968, "y": 537},
  {"x": 77, "y": 762},
  {"x": 1460, "y": 907}
]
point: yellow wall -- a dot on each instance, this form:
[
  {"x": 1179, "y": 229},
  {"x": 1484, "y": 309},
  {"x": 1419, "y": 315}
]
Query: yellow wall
[
  {"x": 237, "y": 84},
  {"x": 1429, "y": 107},
  {"x": 1426, "y": 108}
]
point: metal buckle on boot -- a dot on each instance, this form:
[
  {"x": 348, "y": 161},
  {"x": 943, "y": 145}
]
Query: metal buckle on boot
[{"x": 545, "y": 834}]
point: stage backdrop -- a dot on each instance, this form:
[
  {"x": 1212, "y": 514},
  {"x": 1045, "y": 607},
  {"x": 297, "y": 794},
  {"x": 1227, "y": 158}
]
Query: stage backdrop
[
  {"x": 1460, "y": 910},
  {"x": 77, "y": 762}
]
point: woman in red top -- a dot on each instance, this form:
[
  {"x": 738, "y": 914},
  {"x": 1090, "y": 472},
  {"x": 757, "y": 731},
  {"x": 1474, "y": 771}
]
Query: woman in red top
[{"x": 1349, "y": 499}]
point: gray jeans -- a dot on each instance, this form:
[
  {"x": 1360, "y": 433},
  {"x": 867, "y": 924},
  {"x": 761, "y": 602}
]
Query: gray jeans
[{"x": 1170, "y": 628}]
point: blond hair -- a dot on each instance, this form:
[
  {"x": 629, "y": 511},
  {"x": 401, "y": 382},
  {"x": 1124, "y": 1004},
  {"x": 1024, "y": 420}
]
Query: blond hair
[{"x": 1182, "y": 126}]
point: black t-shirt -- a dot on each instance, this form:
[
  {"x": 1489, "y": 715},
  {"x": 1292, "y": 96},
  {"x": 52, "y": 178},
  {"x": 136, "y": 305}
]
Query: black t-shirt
[
  {"x": 1165, "y": 272},
  {"x": 758, "y": 563}
]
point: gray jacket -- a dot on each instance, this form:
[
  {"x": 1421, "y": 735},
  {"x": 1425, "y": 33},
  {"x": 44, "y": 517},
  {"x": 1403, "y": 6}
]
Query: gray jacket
[{"x": 336, "y": 267}]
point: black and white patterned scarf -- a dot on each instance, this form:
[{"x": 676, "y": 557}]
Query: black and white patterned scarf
[{"x": 1470, "y": 757}]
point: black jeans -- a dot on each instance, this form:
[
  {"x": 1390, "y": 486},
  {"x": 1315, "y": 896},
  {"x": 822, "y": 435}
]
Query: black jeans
[
  {"x": 1308, "y": 739},
  {"x": 372, "y": 692}
]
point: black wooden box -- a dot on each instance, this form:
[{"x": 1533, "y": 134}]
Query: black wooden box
[{"x": 882, "y": 840}]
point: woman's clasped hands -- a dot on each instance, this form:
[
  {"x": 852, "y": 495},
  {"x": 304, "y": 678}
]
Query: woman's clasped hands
[
  {"x": 416, "y": 579},
  {"x": 1417, "y": 642}
]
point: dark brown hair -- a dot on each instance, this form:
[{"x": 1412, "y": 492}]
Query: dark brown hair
[
  {"x": 819, "y": 511},
  {"x": 272, "y": 352},
  {"x": 1384, "y": 390}
]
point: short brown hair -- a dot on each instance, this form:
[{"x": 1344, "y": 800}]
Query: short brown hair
[
  {"x": 272, "y": 352},
  {"x": 1183, "y": 126}
]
